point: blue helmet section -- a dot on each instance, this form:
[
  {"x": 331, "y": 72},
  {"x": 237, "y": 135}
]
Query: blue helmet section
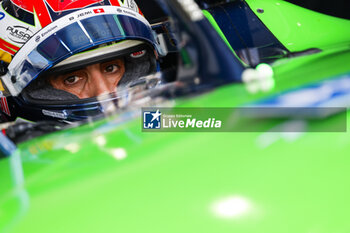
[
  {"x": 69, "y": 112},
  {"x": 69, "y": 40}
]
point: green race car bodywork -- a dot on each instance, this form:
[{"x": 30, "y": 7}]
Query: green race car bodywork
[{"x": 109, "y": 176}]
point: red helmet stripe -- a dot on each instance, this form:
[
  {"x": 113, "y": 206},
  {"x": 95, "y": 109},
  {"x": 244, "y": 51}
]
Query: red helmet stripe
[
  {"x": 4, "y": 106},
  {"x": 7, "y": 47},
  {"x": 2, "y": 47},
  {"x": 114, "y": 2},
  {"x": 7, "y": 44},
  {"x": 59, "y": 6},
  {"x": 42, "y": 13}
]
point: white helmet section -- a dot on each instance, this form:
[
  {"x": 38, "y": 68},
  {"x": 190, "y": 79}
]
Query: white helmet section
[
  {"x": 16, "y": 32},
  {"x": 129, "y": 4},
  {"x": 18, "y": 77}
]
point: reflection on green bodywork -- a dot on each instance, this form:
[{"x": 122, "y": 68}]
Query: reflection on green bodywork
[{"x": 299, "y": 28}]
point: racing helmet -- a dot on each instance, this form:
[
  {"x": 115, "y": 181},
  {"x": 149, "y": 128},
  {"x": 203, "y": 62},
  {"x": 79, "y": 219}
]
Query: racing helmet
[{"x": 47, "y": 37}]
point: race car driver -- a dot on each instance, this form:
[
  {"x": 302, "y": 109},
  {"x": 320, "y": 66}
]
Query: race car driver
[{"x": 61, "y": 56}]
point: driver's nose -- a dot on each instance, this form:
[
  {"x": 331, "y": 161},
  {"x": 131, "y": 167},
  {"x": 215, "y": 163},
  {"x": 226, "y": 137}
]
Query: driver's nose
[{"x": 98, "y": 83}]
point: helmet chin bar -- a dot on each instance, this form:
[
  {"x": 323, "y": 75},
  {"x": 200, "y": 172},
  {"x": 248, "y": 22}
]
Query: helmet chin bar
[{"x": 82, "y": 109}]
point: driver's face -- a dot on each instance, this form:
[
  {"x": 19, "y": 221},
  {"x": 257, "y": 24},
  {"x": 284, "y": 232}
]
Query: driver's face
[{"x": 91, "y": 81}]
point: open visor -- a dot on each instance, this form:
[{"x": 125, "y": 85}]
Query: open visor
[{"x": 71, "y": 34}]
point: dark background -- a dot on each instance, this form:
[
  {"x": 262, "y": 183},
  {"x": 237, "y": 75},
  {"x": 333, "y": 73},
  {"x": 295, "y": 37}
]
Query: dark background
[
  {"x": 151, "y": 10},
  {"x": 338, "y": 8}
]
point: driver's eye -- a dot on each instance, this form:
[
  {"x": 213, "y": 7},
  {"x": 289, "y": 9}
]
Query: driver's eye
[
  {"x": 111, "y": 68},
  {"x": 71, "y": 80}
]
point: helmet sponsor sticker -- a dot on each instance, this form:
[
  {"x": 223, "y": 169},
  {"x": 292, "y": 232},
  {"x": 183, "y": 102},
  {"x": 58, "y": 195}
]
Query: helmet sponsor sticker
[
  {"x": 46, "y": 31},
  {"x": 99, "y": 10},
  {"x": 54, "y": 114},
  {"x": 19, "y": 34},
  {"x": 138, "y": 54},
  {"x": 37, "y": 38},
  {"x": 14, "y": 32},
  {"x": 89, "y": 12}
]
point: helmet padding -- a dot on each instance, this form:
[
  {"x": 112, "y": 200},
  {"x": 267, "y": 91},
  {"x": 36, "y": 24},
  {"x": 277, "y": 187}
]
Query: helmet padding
[
  {"x": 40, "y": 89},
  {"x": 138, "y": 67}
]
